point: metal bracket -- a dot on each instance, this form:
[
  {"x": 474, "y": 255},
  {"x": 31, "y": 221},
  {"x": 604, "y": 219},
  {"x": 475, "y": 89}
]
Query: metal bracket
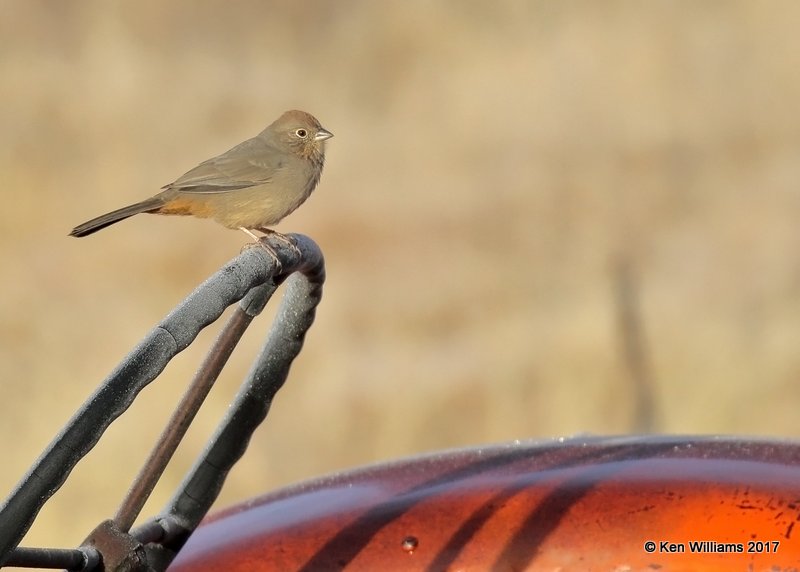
[{"x": 252, "y": 277}]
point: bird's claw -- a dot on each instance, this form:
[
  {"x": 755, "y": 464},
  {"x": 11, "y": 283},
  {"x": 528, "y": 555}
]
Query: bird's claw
[{"x": 272, "y": 254}]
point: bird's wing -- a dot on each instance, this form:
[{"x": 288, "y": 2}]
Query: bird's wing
[{"x": 251, "y": 163}]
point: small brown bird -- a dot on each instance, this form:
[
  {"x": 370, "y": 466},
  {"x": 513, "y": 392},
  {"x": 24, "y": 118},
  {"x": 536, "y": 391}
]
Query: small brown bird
[{"x": 250, "y": 187}]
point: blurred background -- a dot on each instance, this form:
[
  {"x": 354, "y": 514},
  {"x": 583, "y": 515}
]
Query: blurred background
[{"x": 539, "y": 218}]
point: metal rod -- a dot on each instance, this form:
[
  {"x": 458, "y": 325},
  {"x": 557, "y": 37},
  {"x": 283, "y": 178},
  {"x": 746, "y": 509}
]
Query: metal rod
[
  {"x": 64, "y": 558},
  {"x": 182, "y": 417}
]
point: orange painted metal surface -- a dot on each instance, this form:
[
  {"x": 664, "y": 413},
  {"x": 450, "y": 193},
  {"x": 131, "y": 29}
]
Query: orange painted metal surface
[{"x": 566, "y": 505}]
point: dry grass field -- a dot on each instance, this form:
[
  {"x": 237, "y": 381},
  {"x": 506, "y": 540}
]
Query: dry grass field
[{"x": 493, "y": 162}]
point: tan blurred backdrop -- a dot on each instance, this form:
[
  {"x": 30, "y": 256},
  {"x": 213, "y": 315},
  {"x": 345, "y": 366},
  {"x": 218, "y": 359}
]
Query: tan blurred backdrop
[{"x": 492, "y": 162}]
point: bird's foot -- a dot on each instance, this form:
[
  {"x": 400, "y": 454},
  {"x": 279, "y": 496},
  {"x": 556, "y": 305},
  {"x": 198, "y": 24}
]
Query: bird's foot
[
  {"x": 282, "y": 238},
  {"x": 261, "y": 244}
]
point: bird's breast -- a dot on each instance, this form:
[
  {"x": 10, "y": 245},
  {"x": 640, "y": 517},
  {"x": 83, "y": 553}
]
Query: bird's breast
[{"x": 264, "y": 204}]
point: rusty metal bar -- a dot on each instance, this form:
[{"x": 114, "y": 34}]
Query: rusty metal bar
[{"x": 185, "y": 413}]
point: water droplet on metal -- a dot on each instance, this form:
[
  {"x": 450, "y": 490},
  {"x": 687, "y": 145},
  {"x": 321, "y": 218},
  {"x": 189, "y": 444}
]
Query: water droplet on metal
[{"x": 410, "y": 544}]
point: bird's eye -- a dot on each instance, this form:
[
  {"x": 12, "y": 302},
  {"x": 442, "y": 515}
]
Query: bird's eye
[{"x": 301, "y": 133}]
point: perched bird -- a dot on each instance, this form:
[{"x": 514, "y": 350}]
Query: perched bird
[{"x": 249, "y": 187}]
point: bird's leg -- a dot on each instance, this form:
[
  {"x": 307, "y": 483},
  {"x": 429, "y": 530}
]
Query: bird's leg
[
  {"x": 262, "y": 244},
  {"x": 281, "y": 237}
]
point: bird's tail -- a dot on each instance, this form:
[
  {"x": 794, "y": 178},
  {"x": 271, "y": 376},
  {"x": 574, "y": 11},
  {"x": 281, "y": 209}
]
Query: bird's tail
[{"x": 148, "y": 205}]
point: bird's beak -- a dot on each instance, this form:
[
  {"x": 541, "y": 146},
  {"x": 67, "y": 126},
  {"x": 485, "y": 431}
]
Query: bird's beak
[{"x": 323, "y": 134}]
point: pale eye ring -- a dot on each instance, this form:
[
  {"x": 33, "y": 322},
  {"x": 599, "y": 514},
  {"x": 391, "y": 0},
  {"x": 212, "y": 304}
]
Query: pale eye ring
[{"x": 301, "y": 133}]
